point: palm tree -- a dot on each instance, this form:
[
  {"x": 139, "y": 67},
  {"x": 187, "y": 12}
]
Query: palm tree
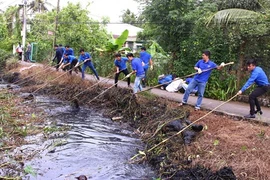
[
  {"x": 13, "y": 17},
  {"x": 232, "y": 14},
  {"x": 38, "y": 6}
]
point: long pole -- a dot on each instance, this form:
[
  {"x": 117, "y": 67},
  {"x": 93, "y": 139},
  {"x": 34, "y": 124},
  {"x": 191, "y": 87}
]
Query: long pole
[{"x": 24, "y": 28}]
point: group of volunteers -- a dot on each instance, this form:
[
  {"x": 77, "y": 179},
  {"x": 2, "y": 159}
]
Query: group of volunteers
[
  {"x": 67, "y": 61},
  {"x": 204, "y": 68},
  {"x": 140, "y": 65}
]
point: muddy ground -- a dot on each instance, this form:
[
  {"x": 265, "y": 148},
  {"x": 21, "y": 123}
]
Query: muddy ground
[{"x": 226, "y": 148}]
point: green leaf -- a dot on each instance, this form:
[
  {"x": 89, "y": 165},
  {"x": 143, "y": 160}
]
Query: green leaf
[
  {"x": 124, "y": 49},
  {"x": 33, "y": 115},
  {"x": 231, "y": 15},
  {"x": 29, "y": 170},
  {"x": 122, "y": 39},
  {"x": 216, "y": 142}
]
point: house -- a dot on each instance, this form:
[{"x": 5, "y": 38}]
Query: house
[{"x": 116, "y": 30}]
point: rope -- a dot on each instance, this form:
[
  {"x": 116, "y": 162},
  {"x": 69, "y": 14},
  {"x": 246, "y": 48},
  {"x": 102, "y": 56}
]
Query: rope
[
  {"x": 33, "y": 75},
  {"x": 55, "y": 79},
  {"x": 165, "y": 140},
  {"x": 91, "y": 87},
  {"x": 127, "y": 76},
  {"x": 182, "y": 78}
]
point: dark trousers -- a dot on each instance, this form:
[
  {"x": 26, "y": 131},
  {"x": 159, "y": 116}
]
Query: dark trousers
[
  {"x": 57, "y": 61},
  {"x": 125, "y": 71},
  {"x": 20, "y": 55},
  {"x": 27, "y": 56},
  {"x": 72, "y": 65},
  {"x": 144, "y": 80},
  {"x": 253, "y": 101}
]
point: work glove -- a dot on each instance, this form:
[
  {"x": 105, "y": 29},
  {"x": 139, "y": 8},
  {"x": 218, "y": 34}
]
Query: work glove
[
  {"x": 151, "y": 67},
  {"x": 222, "y": 64},
  {"x": 239, "y": 92},
  {"x": 199, "y": 70}
]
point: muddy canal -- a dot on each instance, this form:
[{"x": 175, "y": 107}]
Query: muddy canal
[{"x": 93, "y": 146}]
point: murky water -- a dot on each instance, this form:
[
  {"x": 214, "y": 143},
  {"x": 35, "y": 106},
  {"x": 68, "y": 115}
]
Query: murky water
[{"x": 94, "y": 146}]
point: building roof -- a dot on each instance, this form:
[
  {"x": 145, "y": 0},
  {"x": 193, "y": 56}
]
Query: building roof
[{"x": 117, "y": 29}]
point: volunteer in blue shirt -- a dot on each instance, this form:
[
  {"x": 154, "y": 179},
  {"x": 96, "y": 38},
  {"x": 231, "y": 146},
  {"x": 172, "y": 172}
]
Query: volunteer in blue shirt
[
  {"x": 62, "y": 49},
  {"x": 120, "y": 64},
  {"x": 257, "y": 76},
  {"x": 58, "y": 56},
  {"x": 204, "y": 68},
  {"x": 69, "y": 62},
  {"x": 86, "y": 59},
  {"x": 147, "y": 60},
  {"x": 137, "y": 68},
  {"x": 68, "y": 50}
]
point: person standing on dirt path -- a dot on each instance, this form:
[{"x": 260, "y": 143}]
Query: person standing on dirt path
[
  {"x": 120, "y": 64},
  {"x": 86, "y": 58},
  {"x": 28, "y": 52},
  {"x": 58, "y": 56},
  {"x": 204, "y": 68},
  {"x": 19, "y": 50},
  {"x": 147, "y": 60},
  {"x": 69, "y": 62},
  {"x": 257, "y": 76},
  {"x": 137, "y": 68}
]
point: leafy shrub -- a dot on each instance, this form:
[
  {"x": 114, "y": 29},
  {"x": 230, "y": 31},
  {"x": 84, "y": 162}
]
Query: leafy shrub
[{"x": 4, "y": 55}]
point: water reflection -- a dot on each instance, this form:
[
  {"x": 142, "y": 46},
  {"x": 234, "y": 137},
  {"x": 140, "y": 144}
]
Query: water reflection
[{"x": 94, "y": 146}]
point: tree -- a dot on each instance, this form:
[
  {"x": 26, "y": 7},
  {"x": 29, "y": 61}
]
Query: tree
[
  {"x": 246, "y": 24},
  {"x": 129, "y": 17},
  {"x": 38, "y": 6},
  {"x": 75, "y": 28}
]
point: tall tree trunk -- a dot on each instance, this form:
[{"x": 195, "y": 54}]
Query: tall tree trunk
[
  {"x": 241, "y": 67},
  {"x": 56, "y": 22}
]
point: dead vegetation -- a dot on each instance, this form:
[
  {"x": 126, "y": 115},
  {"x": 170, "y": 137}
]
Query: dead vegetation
[{"x": 223, "y": 144}]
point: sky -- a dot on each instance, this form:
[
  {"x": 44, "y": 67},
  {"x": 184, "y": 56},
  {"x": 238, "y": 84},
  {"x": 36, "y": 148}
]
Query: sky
[{"x": 98, "y": 8}]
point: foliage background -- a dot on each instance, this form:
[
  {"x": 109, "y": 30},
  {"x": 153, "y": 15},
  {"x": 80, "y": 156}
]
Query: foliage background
[{"x": 175, "y": 33}]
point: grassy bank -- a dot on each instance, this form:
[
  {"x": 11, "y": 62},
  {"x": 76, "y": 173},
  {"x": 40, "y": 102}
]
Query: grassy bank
[
  {"x": 16, "y": 122},
  {"x": 224, "y": 145}
]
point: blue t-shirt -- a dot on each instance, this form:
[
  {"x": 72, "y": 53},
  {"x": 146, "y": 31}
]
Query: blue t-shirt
[
  {"x": 69, "y": 59},
  {"x": 69, "y": 52},
  {"x": 145, "y": 57},
  {"x": 136, "y": 65},
  {"x": 258, "y": 76},
  {"x": 166, "y": 79},
  {"x": 204, "y": 76},
  {"x": 121, "y": 64},
  {"x": 84, "y": 57}
]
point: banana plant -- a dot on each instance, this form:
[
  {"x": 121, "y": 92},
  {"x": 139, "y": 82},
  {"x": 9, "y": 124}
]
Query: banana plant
[{"x": 116, "y": 45}]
